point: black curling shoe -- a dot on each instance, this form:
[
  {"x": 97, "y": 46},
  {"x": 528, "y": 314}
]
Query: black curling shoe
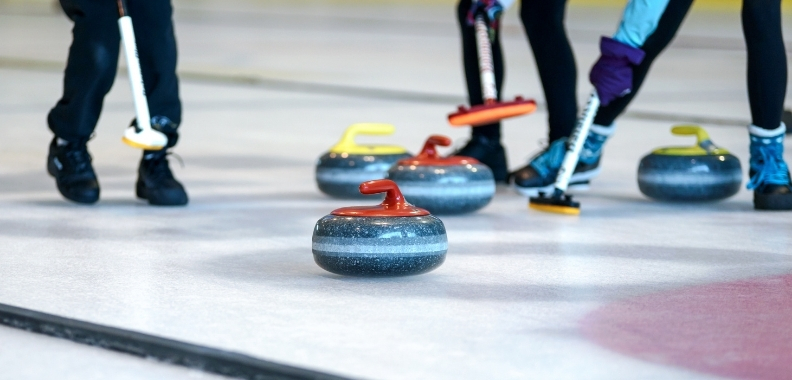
[
  {"x": 489, "y": 152},
  {"x": 156, "y": 182},
  {"x": 70, "y": 164}
]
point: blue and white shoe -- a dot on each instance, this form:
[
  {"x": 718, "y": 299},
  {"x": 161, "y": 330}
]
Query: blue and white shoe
[
  {"x": 769, "y": 173},
  {"x": 540, "y": 173}
]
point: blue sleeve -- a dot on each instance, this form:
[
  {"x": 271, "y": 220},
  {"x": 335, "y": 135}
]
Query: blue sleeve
[
  {"x": 639, "y": 21},
  {"x": 506, "y": 3}
]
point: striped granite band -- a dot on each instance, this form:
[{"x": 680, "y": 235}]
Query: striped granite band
[
  {"x": 700, "y": 179},
  {"x": 351, "y": 176},
  {"x": 474, "y": 188},
  {"x": 417, "y": 246}
]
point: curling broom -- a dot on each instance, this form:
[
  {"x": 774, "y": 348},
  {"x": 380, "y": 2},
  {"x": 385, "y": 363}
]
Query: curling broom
[
  {"x": 139, "y": 134},
  {"x": 491, "y": 111},
  {"x": 559, "y": 202}
]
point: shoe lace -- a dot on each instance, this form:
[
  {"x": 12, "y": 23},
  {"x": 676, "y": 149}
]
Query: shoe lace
[
  {"x": 592, "y": 147},
  {"x": 79, "y": 159},
  {"x": 773, "y": 169},
  {"x": 550, "y": 158},
  {"x": 158, "y": 168}
]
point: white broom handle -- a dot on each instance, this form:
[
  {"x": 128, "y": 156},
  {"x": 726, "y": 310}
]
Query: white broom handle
[
  {"x": 135, "y": 77},
  {"x": 486, "y": 69},
  {"x": 576, "y": 142}
]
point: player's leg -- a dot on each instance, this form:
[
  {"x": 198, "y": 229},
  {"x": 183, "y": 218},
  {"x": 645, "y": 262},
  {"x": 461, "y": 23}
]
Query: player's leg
[
  {"x": 156, "y": 40},
  {"x": 90, "y": 71},
  {"x": 543, "y": 21},
  {"x": 767, "y": 81},
  {"x": 484, "y": 143}
]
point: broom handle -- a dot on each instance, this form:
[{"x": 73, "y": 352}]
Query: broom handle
[
  {"x": 486, "y": 70},
  {"x": 133, "y": 67},
  {"x": 576, "y": 142}
]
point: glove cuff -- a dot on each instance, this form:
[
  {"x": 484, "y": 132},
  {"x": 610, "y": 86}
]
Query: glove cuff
[{"x": 613, "y": 48}]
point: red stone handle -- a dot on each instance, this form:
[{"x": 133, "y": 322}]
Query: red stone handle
[
  {"x": 393, "y": 197},
  {"x": 430, "y": 148},
  {"x": 393, "y": 205}
]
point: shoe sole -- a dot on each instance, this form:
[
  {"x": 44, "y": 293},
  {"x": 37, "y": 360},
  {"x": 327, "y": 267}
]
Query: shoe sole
[
  {"x": 578, "y": 182},
  {"x": 141, "y": 193},
  {"x": 773, "y": 202}
]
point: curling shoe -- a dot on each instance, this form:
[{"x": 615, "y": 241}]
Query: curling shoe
[
  {"x": 540, "y": 174},
  {"x": 769, "y": 173},
  {"x": 488, "y": 151},
  {"x": 70, "y": 164},
  {"x": 156, "y": 182}
]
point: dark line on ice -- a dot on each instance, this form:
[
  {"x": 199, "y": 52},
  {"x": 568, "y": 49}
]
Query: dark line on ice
[{"x": 169, "y": 351}]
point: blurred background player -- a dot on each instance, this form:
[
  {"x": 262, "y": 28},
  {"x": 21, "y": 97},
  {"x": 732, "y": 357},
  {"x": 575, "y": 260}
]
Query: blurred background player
[
  {"x": 646, "y": 29},
  {"x": 90, "y": 72},
  {"x": 543, "y": 21}
]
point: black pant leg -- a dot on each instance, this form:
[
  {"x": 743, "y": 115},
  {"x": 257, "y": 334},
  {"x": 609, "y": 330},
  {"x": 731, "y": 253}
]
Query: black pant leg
[
  {"x": 156, "y": 41},
  {"x": 90, "y": 69},
  {"x": 667, "y": 28},
  {"x": 471, "y": 65},
  {"x": 767, "y": 63},
  {"x": 544, "y": 24}
]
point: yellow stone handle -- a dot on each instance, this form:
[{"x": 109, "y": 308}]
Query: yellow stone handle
[
  {"x": 348, "y": 144},
  {"x": 691, "y": 130}
]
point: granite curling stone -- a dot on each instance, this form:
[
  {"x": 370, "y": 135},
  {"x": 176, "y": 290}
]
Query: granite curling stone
[
  {"x": 444, "y": 185},
  {"x": 703, "y": 172},
  {"x": 340, "y": 171},
  {"x": 393, "y": 238}
]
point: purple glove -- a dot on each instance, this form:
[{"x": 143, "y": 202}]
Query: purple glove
[
  {"x": 612, "y": 75},
  {"x": 491, "y": 9}
]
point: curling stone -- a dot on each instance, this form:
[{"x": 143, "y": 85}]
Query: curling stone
[
  {"x": 444, "y": 185},
  {"x": 703, "y": 172},
  {"x": 393, "y": 238},
  {"x": 340, "y": 171}
]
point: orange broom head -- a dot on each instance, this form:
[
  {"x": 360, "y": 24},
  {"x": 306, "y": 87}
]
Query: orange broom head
[
  {"x": 491, "y": 112},
  {"x": 555, "y": 204}
]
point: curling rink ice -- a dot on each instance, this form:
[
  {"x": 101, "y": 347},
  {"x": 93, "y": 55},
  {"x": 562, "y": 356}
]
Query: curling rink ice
[{"x": 630, "y": 289}]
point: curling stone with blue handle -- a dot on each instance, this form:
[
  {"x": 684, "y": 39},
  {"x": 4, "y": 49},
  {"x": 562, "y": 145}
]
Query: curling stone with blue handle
[
  {"x": 340, "y": 171},
  {"x": 703, "y": 172},
  {"x": 444, "y": 185},
  {"x": 393, "y": 238}
]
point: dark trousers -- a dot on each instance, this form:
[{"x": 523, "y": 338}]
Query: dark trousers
[
  {"x": 93, "y": 62},
  {"x": 544, "y": 24},
  {"x": 767, "y": 65}
]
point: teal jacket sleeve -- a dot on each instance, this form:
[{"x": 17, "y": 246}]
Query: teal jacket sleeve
[
  {"x": 506, "y": 3},
  {"x": 639, "y": 21}
]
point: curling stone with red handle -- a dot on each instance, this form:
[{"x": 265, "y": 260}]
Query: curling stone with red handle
[
  {"x": 393, "y": 238},
  {"x": 340, "y": 171},
  {"x": 444, "y": 185}
]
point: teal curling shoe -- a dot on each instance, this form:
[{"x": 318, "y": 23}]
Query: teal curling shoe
[
  {"x": 769, "y": 173},
  {"x": 540, "y": 174}
]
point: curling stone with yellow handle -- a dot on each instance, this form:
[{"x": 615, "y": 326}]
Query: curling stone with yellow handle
[
  {"x": 702, "y": 172},
  {"x": 340, "y": 171}
]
